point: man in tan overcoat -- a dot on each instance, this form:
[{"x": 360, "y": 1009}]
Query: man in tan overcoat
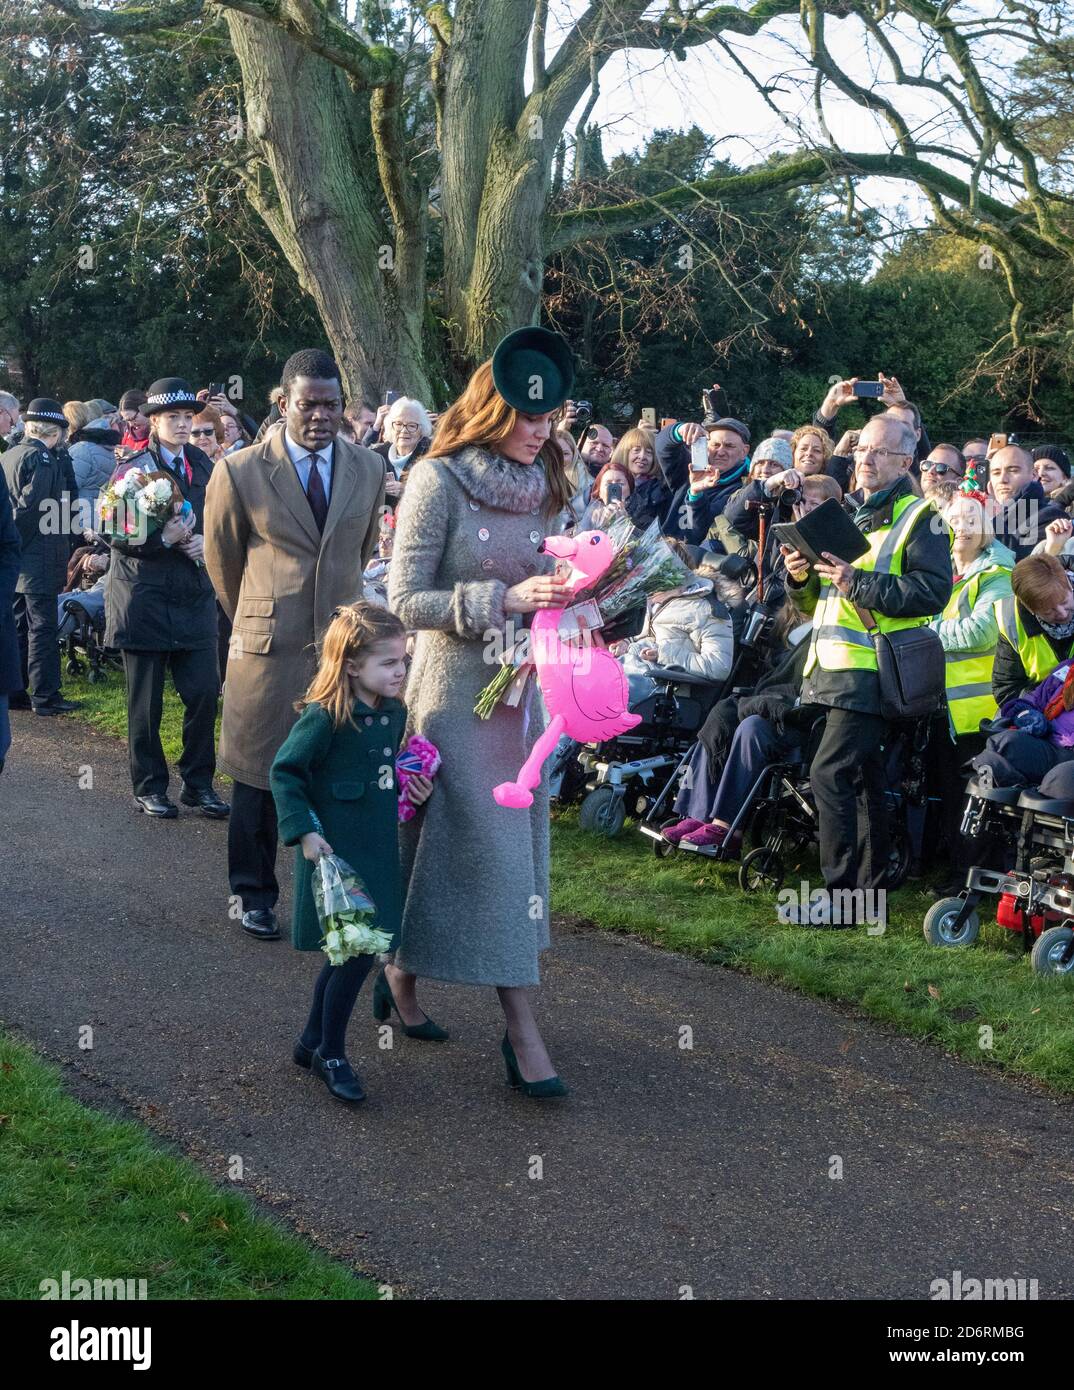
[{"x": 289, "y": 526}]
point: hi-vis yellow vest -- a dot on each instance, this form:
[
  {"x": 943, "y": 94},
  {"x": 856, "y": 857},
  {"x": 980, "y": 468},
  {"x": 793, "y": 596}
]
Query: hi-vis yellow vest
[
  {"x": 968, "y": 675},
  {"x": 1038, "y": 655},
  {"x": 840, "y": 640}
]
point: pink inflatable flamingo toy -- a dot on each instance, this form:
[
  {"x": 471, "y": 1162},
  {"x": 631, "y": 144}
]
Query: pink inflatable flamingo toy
[{"x": 584, "y": 687}]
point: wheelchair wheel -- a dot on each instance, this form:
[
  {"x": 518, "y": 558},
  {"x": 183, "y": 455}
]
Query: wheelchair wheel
[
  {"x": 1049, "y": 951},
  {"x": 663, "y": 849},
  {"x": 603, "y": 812},
  {"x": 899, "y": 856},
  {"x": 94, "y": 675},
  {"x": 762, "y": 869},
  {"x": 73, "y": 667},
  {"x": 938, "y": 926}
]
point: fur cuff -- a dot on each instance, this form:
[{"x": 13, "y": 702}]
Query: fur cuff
[{"x": 477, "y": 607}]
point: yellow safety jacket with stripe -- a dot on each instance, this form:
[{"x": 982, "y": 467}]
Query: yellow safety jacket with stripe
[
  {"x": 968, "y": 674},
  {"x": 1037, "y": 653},
  {"x": 840, "y": 640}
]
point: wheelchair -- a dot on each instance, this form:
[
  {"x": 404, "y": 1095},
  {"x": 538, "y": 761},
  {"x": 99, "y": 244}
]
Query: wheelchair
[
  {"x": 779, "y": 812},
  {"x": 622, "y": 776},
  {"x": 83, "y": 631},
  {"x": 1036, "y": 895}
]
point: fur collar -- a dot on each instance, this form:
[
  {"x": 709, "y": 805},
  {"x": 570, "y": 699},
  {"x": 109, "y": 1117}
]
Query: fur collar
[{"x": 496, "y": 481}]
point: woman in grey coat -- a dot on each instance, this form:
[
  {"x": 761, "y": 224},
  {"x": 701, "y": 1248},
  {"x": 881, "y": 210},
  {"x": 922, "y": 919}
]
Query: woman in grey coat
[{"x": 466, "y": 563}]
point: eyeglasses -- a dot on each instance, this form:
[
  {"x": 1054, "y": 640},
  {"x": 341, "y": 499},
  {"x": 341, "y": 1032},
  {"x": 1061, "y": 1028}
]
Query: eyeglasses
[
  {"x": 863, "y": 452},
  {"x": 940, "y": 469},
  {"x": 407, "y": 427}
]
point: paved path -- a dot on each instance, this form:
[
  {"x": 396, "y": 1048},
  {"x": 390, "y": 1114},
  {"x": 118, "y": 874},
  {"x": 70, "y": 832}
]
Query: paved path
[{"x": 667, "y": 1167}]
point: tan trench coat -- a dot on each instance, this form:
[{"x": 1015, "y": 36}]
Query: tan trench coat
[{"x": 278, "y": 581}]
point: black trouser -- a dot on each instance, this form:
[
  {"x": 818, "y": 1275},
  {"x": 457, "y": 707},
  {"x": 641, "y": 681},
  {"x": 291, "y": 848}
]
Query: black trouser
[
  {"x": 848, "y": 781},
  {"x": 197, "y": 682},
  {"x": 948, "y": 761},
  {"x": 39, "y": 645},
  {"x": 251, "y": 847}
]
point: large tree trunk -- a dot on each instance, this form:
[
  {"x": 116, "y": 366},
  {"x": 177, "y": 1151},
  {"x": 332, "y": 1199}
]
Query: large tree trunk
[{"x": 324, "y": 205}]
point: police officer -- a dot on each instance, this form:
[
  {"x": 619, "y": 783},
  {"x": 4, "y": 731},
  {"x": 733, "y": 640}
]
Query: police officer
[
  {"x": 904, "y": 580},
  {"x": 41, "y": 485},
  {"x": 160, "y": 610}
]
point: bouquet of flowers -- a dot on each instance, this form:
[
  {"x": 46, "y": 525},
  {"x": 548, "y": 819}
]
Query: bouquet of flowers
[
  {"x": 345, "y": 911},
  {"x": 644, "y": 564},
  {"x": 137, "y": 504}
]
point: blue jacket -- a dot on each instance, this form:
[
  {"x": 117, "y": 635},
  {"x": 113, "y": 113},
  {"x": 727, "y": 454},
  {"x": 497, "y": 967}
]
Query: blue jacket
[
  {"x": 10, "y": 551},
  {"x": 690, "y": 521}
]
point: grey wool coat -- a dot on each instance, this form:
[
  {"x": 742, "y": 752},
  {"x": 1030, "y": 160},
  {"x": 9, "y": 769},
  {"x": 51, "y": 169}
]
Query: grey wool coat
[{"x": 477, "y": 905}]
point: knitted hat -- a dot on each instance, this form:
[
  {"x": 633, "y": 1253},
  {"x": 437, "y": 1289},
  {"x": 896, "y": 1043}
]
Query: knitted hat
[
  {"x": 778, "y": 450},
  {"x": 1056, "y": 455},
  {"x": 170, "y": 393}
]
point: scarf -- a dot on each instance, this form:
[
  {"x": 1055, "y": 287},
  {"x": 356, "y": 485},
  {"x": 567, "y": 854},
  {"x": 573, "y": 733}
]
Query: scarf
[
  {"x": 1063, "y": 699},
  {"x": 875, "y": 502},
  {"x": 1058, "y": 632}
]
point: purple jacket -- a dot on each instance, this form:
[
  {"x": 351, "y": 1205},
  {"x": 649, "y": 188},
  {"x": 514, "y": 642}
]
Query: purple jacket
[{"x": 1062, "y": 728}]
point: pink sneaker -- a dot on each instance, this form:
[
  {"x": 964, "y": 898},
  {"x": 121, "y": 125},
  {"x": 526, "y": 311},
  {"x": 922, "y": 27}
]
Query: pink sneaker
[
  {"x": 709, "y": 836},
  {"x": 674, "y": 833}
]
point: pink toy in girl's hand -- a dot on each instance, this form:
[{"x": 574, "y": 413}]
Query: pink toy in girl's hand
[
  {"x": 584, "y": 687},
  {"x": 416, "y": 757}
]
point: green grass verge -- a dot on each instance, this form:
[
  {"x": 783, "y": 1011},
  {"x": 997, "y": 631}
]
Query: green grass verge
[
  {"x": 692, "y": 905},
  {"x": 948, "y": 996},
  {"x": 83, "y": 1192}
]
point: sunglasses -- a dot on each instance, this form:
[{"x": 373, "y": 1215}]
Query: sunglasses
[
  {"x": 939, "y": 468},
  {"x": 195, "y": 433}
]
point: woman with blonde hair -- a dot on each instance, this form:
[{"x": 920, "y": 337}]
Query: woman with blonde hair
[
  {"x": 467, "y": 564},
  {"x": 635, "y": 454}
]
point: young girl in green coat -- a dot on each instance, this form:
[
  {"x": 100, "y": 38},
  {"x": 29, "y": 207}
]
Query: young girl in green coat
[{"x": 335, "y": 789}]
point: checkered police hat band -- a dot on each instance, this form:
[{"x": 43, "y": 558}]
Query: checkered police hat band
[{"x": 171, "y": 398}]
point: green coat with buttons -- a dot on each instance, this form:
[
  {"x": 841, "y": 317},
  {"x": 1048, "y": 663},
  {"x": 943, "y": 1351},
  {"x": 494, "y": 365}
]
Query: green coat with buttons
[{"x": 346, "y": 778}]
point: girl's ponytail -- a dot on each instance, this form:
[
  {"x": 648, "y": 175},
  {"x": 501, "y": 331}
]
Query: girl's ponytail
[{"x": 355, "y": 627}]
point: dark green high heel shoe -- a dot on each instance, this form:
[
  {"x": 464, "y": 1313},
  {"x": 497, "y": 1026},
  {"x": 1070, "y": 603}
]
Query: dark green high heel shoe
[
  {"x": 384, "y": 1003},
  {"x": 548, "y": 1089}
]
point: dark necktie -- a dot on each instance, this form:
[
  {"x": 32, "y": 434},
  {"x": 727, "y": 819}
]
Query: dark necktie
[{"x": 315, "y": 494}]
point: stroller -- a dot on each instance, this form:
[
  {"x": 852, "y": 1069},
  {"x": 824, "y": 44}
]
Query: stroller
[{"x": 1036, "y": 895}]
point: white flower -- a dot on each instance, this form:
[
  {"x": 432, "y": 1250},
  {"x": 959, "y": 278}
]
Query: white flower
[
  {"x": 351, "y": 934},
  {"x": 332, "y": 940}
]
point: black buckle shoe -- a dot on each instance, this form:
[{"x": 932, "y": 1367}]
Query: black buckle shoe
[
  {"x": 261, "y": 922},
  {"x": 158, "y": 806},
  {"x": 303, "y": 1055},
  {"x": 338, "y": 1075},
  {"x": 206, "y": 801}
]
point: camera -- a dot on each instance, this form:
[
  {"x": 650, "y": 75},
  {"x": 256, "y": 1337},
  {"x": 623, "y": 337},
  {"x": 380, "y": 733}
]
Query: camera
[{"x": 583, "y": 412}]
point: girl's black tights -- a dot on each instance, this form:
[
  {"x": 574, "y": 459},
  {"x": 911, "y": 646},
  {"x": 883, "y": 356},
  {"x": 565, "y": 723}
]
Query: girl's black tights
[{"x": 334, "y": 994}]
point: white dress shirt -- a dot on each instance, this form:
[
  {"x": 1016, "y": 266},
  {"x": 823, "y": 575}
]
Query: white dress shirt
[{"x": 300, "y": 457}]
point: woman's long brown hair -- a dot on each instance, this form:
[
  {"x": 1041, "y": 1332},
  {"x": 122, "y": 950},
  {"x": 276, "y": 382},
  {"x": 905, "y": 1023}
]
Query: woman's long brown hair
[
  {"x": 482, "y": 419},
  {"x": 353, "y": 631}
]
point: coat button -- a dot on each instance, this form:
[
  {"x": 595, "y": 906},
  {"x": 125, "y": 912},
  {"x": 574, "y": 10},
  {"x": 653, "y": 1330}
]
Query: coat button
[
  {"x": 534, "y": 511},
  {"x": 387, "y": 752},
  {"x": 535, "y": 536},
  {"x": 384, "y": 719},
  {"x": 368, "y": 719},
  {"x": 483, "y": 534},
  {"x": 487, "y": 565},
  {"x": 475, "y": 506}
]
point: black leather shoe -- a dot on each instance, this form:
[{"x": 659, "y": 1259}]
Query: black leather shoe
[
  {"x": 261, "y": 922},
  {"x": 206, "y": 801},
  {"x": 303, "y": 1055},
  {"x": 158, "y": 806},
  {"x": 57, "y": 706},
  {"x": 338, "y": 1075}
]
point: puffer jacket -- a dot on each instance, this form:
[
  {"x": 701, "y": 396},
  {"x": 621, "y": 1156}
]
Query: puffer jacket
[
  {"x": 690, "y": 629},
  {"x": 93, "y": 458},
  {"x": 1061, "y": 728}
]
